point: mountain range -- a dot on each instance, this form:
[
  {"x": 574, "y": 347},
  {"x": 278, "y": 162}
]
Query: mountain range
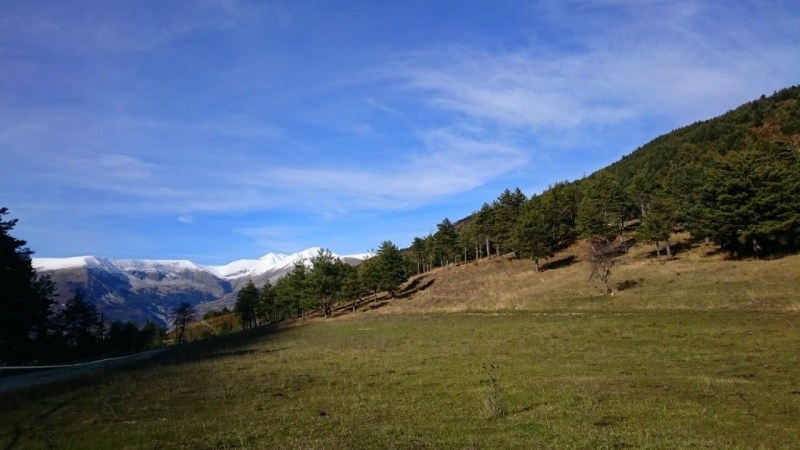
[{"x": 141, "y": 290}]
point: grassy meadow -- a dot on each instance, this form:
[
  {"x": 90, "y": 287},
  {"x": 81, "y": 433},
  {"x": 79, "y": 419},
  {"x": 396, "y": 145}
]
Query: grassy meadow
[{"x": 698, "y": 353}]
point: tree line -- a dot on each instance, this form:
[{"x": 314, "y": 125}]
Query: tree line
[
  {"x": 33, "y": 329},
  {"x": 320, "y": 285},
  {"x": 733, "y": 180}
]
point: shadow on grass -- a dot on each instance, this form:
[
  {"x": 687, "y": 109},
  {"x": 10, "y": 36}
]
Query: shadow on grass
[
  {"x": 676, "y": 248},
  {"x": 222, "y": 346},
  {"x": 416, "y": 286},
  {"x": 559, "y": 263},
  {"x": 19, "y": 429}
]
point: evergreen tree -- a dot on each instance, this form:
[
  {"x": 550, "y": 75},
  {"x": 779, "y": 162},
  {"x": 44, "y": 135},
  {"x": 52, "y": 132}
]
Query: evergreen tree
[
  {"x": 656, "y": 225},
  {"x": 246, "y": 303},
  {"x": 483, "y": 228},
  {"x": 352, "y": 288},
  {"x": 266, "y": 307},
  {"x": 292, "y": 291},
  {"x": 25, "y": 299},
  {"x": 77, "y": 327},
  {"x": 446, "y": 241},
  {"x": 506, "y": 211},
  {"x": 370, "y": 275},
  {"x": 752, "y": 199},
  {"x": 325, "y": 279},
  {"x": 391, "y": 267},
  {"x": 563, "y": 201},
  {"x": 417, "y": 253},
  {"x": 536, "y": 232}
]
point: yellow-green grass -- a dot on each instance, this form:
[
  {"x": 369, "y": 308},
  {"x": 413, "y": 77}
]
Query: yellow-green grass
[
  {"x": 583, "y": 379},
  {"x": 699, "y": 352}
]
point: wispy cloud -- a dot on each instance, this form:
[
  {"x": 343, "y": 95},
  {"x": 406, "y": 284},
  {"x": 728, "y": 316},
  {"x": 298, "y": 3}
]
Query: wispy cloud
[
  {"x": 657, "y": 60},
  {"x": 449, "y": 162}
]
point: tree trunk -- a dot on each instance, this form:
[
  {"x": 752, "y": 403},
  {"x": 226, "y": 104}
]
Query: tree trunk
[
  {"x": 488, "y": 249},
  {"x": 669, "y": 249},
  {"x": 536, "y": 264},
  {"x": 658, "y": 251}
]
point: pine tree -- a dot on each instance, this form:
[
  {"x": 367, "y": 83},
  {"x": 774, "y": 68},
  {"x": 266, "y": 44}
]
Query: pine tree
[
  {"x": 391, "y": 267},
  {"x": 506, "y": 210},
  {"x": 25, "y": 299},
  {"x": 536, "y": 231},
  {"x": 656, "y": 226},
  {"x": 753, "y": 199},
  {"x": 246, "y": 303},
  {"x": 77, "y": 327},
  {"x": 446, "y": 241},
  {"x": 265, "y": 310},
  {"x": 325, "y": 279}
]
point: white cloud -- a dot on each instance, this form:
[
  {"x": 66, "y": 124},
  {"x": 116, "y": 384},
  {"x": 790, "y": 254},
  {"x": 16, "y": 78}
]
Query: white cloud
[
  {"x": 677, "y": 60},
  {"x": 186, "y": 218},
  {"x": 450, "y": 162}
]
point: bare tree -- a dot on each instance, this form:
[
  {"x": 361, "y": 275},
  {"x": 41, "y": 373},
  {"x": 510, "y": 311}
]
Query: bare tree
[
  {"x": 182, "y": 315},
  {"x": 602, "y": 253}
]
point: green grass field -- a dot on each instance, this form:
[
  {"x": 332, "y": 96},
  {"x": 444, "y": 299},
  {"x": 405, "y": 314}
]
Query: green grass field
[
  {"x": 645, "y": 379},
  {"x": 699, "y": 353}
]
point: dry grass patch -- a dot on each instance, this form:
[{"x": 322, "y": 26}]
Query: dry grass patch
[{"x": 698, "y": 278}]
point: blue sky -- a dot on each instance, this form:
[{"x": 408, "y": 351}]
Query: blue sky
[{"x": 223, "y": 129}]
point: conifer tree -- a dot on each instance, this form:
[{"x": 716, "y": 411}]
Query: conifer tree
[
  {"x": 535, "y": 234},
  {"x": 246, "y": 303},
  {"x": 25, "y": 299},
  {"x": 446, "y": 241},
  {"x": 391, "y": 267}
]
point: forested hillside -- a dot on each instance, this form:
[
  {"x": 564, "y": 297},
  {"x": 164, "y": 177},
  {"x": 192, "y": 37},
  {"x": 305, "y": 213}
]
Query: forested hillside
[{"x": 733, "y": 180}]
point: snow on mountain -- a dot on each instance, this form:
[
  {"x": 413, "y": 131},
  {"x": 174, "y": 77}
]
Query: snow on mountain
[
  {"x": 269, "y": 263},
  {"x": 139, "y": 290},
  {"x": 75, "y": 262},
  {"x": 156, "y": 265}
]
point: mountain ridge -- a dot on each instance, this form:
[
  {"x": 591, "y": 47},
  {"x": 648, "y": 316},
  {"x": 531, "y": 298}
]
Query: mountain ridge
[{"x": 146, "y": 289}]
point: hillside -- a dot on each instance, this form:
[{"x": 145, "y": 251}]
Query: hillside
[
  {"x": 733, "y": 180},
  {"x": 699, "y": 277}
]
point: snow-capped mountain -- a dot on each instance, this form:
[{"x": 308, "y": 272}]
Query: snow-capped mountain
[
  {"x": 140, "y": 290},
  {"x": 270, "y": 262}
]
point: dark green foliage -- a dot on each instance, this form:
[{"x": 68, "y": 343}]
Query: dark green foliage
[
  {"x": 246, "y": 304},
  {"x": 505, "y": 213},
  {"x": 325, "y": 279},
  {"x": 752, "y": 200},
  {"x": 417, "y": 253},
  {"x": 370, "y": 275},
  {"x": 446, "y": 242},
  {"x": 266, "y": 308},
  {"x": 25, "y": 299},
  {"x": 292, "y": 293},
  {"x": 731, "y": 179},
  {"x": 391, "y": 267},
  {"x": 536, "y": 232},
  {"x": 77, "y": 328},
  {"x": 128, "y": 338},
  {"x": 657, "y": 222}
]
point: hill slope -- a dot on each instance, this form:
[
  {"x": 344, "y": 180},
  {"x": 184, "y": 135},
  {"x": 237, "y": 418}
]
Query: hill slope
[{"x": 698, "y": 278}]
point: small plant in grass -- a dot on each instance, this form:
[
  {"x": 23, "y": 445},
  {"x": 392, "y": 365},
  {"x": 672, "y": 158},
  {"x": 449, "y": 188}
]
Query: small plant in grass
[{"x": 493, "y": 406}]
